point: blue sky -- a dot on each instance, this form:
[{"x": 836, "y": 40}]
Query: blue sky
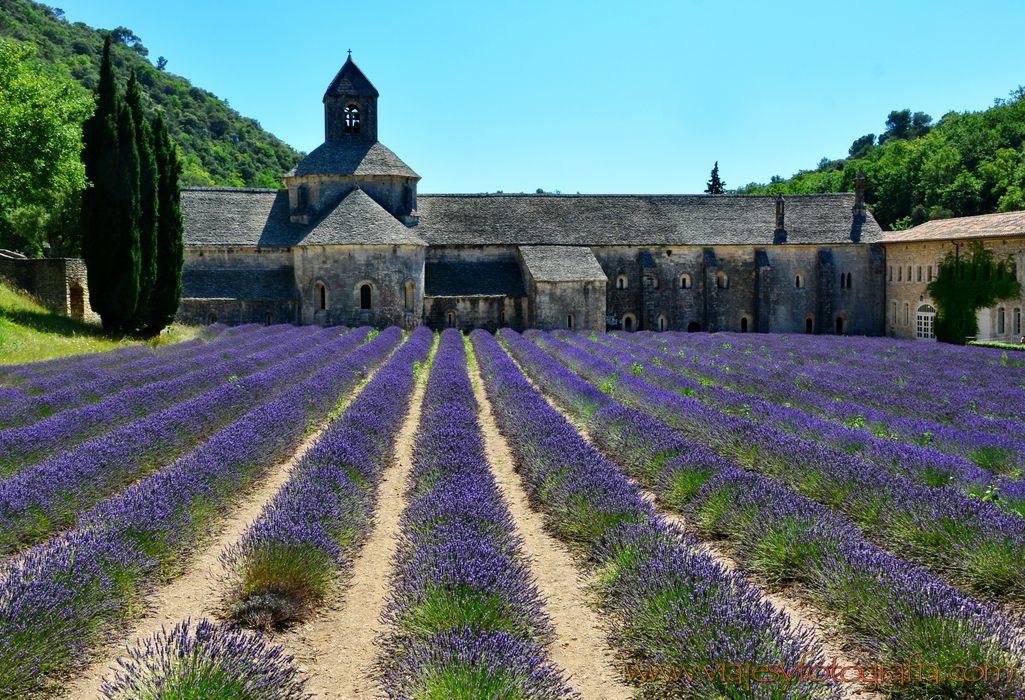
[{"x": 589, "y": 97}]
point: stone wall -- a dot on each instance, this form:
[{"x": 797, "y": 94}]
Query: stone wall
[
  {"x": 60, "y": 284},
  {"x": 344, "y": 270},
  {"x": 233, "y": 312},
  {"x": 911, "y": 266},
  {"x": 395, "y": 194},
  {"x": 489, "y": 312},
  {"x": 779, "y": 289},
  {"x": 579, "y": 305}
]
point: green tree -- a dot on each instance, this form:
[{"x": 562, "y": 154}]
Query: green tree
[
  {"x": 110, "y": 207},
  {"x": 968, "y": 282},
  {"x": 40, "y": 144},
  {"x": 715, "y": 184},
  {"x": 148, "y": 206},
  {"x": 861, "y": 146},
  {"x": 167, "y": 289}
]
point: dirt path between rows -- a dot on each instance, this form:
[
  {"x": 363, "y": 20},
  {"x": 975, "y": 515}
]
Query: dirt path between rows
[
  {"x": 195, "y": 594},
  {"x": 581, "y": 647},
  {"x": 800, "y": 613},
  {"x": 337, "y": 647}
]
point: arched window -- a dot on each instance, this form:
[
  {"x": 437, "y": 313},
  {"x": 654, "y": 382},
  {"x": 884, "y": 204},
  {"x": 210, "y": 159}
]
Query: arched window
[
  {"x": 213, "y": 318},
  {"x": 501, "y": 317},
  {"x": 850, "y": 281},
  {"x": 1017, "y": 321},
  {"x": 629, "y": 322},
  {"x": 1001, "y": 321},
  {"x": 365, "y": 297},
  {"x": 661, "y": 323},
  {"x": 891, "y": 273},
  {"x": 907, "y": 314},
  {"x": 930, "y": 273},
  {"x": 570, "y": 321},
  {"x": 743, "y": 324},
  {"x": 622, "y": 282},
  {"x": 722, "y": 280},
  {"x": 799, "y": 281},
  {"x": 919, "y": 279},
  {"x": 839, "y": 325},
  {"x": 320, "y": 291},
  {"x": 900, "y": 274},
  {"x": 925, "y": 322},
  {"x": 351, "y": 114},
  {"x": 809, "y": 325},
  {"x": 685, "y": 281},
  {"x": 450, "y": 319},
  {"x": 268, "y": 319},
  {"x": 408, "y": 288},
  {"x": 909, "y": 273}
]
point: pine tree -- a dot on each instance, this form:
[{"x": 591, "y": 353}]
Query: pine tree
[
  {"x": 110, "y": 206},
  {"x": 715, "y": 185},
  {"x": 167, "y": 289},
  {"x": 148, "y": 207}
]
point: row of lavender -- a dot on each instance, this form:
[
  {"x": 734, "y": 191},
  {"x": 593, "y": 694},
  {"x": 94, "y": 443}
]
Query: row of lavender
[
  {"x": 65, "y": 392},
  {"x": 974, "y": 543},
  {"x": 892, "y": 610},
  {"x": 930, "y": 381},
  {"x": 671, "y": 605},
  {"x": 465, "y": 616},
  {"x": 26, "y": 445},
  {"x": 62, "y": 598},
  {"x": 281, "y": 569},
  {"x": 49, "y": 496},
  {"x": 926, "y": 464},
  {"x": 995, "y": 444}
]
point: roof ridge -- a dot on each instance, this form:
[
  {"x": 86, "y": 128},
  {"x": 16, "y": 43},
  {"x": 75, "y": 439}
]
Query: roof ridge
[
  {"x": 252, "y": 190},
  {"x": 624, "y": 195}
]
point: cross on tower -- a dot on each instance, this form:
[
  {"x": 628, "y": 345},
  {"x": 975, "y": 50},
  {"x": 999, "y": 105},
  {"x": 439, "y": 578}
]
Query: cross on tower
[{"x": 350, "y": 53}]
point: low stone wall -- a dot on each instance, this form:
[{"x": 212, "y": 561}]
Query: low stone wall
[
  {"x": 60, "y": 284},
  {"x": 233, "y": 312}
]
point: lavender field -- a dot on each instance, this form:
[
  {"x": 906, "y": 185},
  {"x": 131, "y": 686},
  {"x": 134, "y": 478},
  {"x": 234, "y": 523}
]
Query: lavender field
[{"x": 292, "y": 512}]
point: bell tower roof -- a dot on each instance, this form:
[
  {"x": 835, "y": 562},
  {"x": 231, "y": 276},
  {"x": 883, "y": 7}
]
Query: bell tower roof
[{"x": 350, "y": 82}]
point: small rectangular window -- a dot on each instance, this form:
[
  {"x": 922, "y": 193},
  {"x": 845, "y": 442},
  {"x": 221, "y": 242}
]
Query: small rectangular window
[
  {"x": 909, "y": 273},
  {"x": 891, "y": 273},
  {"x": 900, "y": 274},
  {"x": 930, "y": 273},
  {"x": 907, "y": 314},
  {"x": 893, "y": 313},
  {"x": 1001, "y": 322},
  {"x": 919, "y": 279},
  {"x": 1017, "y": 321}
]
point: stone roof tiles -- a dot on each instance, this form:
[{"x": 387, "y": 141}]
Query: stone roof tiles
[
  {"x": 633, "y": 220},
  {"x": 1010, "y": 223},
  {"x": 359, "y": 220},
  {"x": 352, "y": 158},
  {"x": 550, "y": 263},
  {"x": 246, "y": 284},
  {"x": 350, "y": 80}
]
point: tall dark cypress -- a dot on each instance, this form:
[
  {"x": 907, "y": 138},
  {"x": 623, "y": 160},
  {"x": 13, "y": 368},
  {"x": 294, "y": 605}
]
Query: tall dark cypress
[
  {"x": 167, "y": 291},
  {"x": 148, "y": 208},
  {"x": 110, "y": 243}
]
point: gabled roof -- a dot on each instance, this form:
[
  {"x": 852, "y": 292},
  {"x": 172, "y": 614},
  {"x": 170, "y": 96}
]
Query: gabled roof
[
  {"x": 353, "y": 158},
  {"x": 554, "y": 263},
  {"x": 359, "y": 220},
  {"x": 639, "y": 220},
  {"x": 223, "y": 216},
  {"x": 351, "y": 81},
  {"x": 1010, "y": 223}
]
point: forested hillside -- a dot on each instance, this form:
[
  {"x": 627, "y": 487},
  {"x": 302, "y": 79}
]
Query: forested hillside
[
  {"x": 964, "y": 164},
  {"x": 218, "y": 145}
]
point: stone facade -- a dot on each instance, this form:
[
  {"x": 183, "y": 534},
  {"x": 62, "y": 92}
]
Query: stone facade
[{"x": 912, "y": 261}]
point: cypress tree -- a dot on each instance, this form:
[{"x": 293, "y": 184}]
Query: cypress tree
[
  {"x": 110, "y": 243},
  {"x": 715, "y": 184},
  {"x": 148, "y": 210},
  {"x": 167, "y": 290}
]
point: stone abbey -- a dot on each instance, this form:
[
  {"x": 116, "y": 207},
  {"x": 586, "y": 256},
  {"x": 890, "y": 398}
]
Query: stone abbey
[{"x": 349, "y": 241}]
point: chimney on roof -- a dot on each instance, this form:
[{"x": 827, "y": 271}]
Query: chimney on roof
[
  {"x": 779, "y": 235},
  {"x": 859, "y": 196}
]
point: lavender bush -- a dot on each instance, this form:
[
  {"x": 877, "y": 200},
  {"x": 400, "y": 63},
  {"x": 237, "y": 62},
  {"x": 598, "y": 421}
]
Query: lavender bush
[{"x": 205, "y": 661}]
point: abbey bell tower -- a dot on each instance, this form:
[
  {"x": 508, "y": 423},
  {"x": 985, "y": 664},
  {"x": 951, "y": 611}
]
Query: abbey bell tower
[{"x": 350, "y": 106}]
